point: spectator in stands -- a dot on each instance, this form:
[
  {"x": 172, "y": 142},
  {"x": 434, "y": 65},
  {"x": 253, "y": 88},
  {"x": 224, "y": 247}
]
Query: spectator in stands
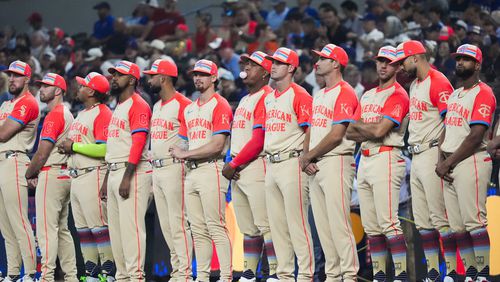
[
  {"x": 116, "y": 44},
  {"x": 474, "y": 35},
  {"x": 457, "y": 8},
  {"x": 257, "y": 12},
  {"x": 371, "y": 40},
  {"x": 301, "y": 72},
  {"x": 461, "y": 32},
  {"x": 305, "y": 9},
  {"x": 369, "y": 77},
  {"x": 204, "y": 33},
  {"x": 4, "y": 88},
  {"x": 136, "y": 23},
  {"x": 228, "y": 89},
  {"x": 293, "y": 28},
  {"x": 132, "y": 55},
  {"x": 243, "y": 30},
  {"x": 353, "y": 77},
  {"x": 162, "y": 22},
  {"x": 182, "y": 45},
  {"x": 229, "y": 59},
  {"x": 35, "y": 21},
  {"x": 48, "y": 57},
  {"x": 310, "y": 33},
  {"x": 266, "y": 40},
  {"x": 435, "y": 15},
  {"x": 472, "y": 15},
  {"x": 63, "y": 58},
  {"x": 394, "y": 31},
  {"x": 352, "y": 19},
  {"x": 444, "y": 62},
  {"x": 276, "y": 17},
  {"x": 335, "y": 32},
  {"x": 94, "y": 60},
  {"x": 56, "y": 37},
  {"x": 39, "y": 42},
  {"x": 104, "y": 27}
]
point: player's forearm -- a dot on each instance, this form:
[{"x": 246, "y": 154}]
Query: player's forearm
[
  {"x": 209, "y": 151},
  {"x": 129, "y": 171},
  {"x": 307, "y": 140},
  {"x": 138, "y": 142},
  {"x": 251, "y": 150},
  {"x": 90, "y": 150},
  {"x": 466, "y": 149},
  {"x": 36, "y": 164},
  {"x": 330, "y": 142},
  {"x": 353, "y": 134}
]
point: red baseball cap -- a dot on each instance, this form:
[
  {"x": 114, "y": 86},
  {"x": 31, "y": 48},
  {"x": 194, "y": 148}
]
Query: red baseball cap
[
  {"x": 126, "y": 67},
  {"x": 388, "y": 52},
  {"x": 165, "y": 67},
  {"x": 334, "y": 52},
  {"x": 205, "y": 66},
  {"x": 53, "y": 79},
  {"x": 19, "y": 67},
  {"x": 469, "y": 51},
  {"x": 286, "y": 56},
  {"x": 259, "y": 58},
  {"x": 95, "y": 81},
  {"x": 407, "y": 49}
]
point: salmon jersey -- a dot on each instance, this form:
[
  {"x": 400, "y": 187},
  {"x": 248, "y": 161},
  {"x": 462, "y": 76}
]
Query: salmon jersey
[
  {"x": 131, "y": 116},
  {"x": 392, "y": 103},
  {"x": 56, "y": 129},
  {"x": 202, "y": 121},
  {"x": 286, "y": 113},
  {"x": 165, "y": 124},
  {"x": 467, "y": 107},
  {"x": 428, "y": 100},
  {"x": 89, "y": 127},
  {"x": 249, "y": 115},
  {"x": 331, "y": 106},
  {"x": 24, "y": 110}
]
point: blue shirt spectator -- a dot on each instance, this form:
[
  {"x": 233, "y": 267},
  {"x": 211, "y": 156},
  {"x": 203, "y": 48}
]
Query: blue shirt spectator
[{"x": 104, "y": 27}]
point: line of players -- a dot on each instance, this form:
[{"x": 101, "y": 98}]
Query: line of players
[{"x": 289, "y": 151}]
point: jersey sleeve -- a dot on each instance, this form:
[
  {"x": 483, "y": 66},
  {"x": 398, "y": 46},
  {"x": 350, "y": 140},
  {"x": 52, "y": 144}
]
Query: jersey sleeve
[
  {"x": 302, "y": 104},
  {"x": 25, "y": 111},
  {"x": 483, "y": 109},
  {"x": 53, "y": 126},
  {"x": 440, "y": 91},
  {"x": 396, "y": 107},
  {"x": 139, "y": 117},
  {"x": 345, "y": 107},
  {"x": 259, "y": 114},
  {"x": 222, "y": 118},
  {"x": 101, "y": 124},
  {"x": 182, "y": 120}
]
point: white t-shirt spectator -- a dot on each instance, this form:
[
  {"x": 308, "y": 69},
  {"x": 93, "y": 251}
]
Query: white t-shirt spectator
[
  {"x": 275, "y": 20},
  {"x": 373, "y": 36}
]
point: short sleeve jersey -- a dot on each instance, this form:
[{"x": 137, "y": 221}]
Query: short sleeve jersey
[
  {"x": 428, "y": 99},
  {"x": 392, "y": 103},
  {"x": 249, "y": 115},
  {"x": 202, "y": 121},
  {"x": 331, "y": 106},
  {"x": 165, "y": 124},
  {"x": 131, "y": 116},
  {"x": 24, "y": 110},
  {"x": 286, "y": 115},
  {"x": 467, "y": 107},
  {"x": 56, "y": 129},
  {"x": 89, "y": 127}
]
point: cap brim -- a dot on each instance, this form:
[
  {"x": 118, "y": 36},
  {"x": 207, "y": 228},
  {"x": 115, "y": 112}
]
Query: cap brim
[
  {"x": 88, "y": 59},
  {"x": 149, "y": 72},
  {"x": 16, "y": 72},
  {"x": 398, "y": 60},
  {"x": 246, "y": 58},
  {"x": 272, "y": 58},
  {"x": 38, "y": 82},
  {"x": 455, "y": 55},
  {"x": 113, "y": 70},
  {"x": 199, "y": 71},
  {"x": 384, "y": 57},
  {"x": 81, "y": 81},
  {"x": 320, "y": 54}
]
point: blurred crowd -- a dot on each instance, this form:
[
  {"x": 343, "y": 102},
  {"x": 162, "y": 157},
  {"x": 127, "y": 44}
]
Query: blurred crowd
[{"x": 158, "y": 30}]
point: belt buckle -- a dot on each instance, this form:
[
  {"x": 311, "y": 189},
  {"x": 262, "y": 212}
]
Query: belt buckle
[
  {"x": 10, "y": 154},
  {"x": 294, "y": 154},
  {"x": 113, "y": 166},
  {"x": 73, "y": 173},
  {"x": 157, "y": 163},
  {"x": 192, "y": 165},
  {"x": 275, "y": 158},
  {"x": 176, "y": 161}
]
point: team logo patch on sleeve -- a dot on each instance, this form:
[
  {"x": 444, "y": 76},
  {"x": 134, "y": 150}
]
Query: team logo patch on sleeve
[{"x": 484, "y": 110}]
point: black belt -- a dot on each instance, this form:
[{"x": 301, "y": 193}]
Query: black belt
[
  {"x": 196, "y": 164},
  {"x": 280, "y": 157},
  {"x": 75, "y": 172},
  {"x": 159, "y": 163}
]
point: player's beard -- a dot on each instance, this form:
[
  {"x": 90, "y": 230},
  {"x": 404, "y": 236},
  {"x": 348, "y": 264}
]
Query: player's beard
[
  {"x": 464, "y": 73},
  {"x": 154, "y": 88},
  {"x": 15, "y": 90},
  {"x": 116, "y": 90},
  {"x": 412, "y": 73}
]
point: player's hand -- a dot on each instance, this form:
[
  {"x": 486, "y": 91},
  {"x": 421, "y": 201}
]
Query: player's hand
[
  {"x": 443, "y": 170},
  {"x": 32, "y": 182},
  {"x": 103, "y": 193},
  {"x": 492, "y": 149},
  {"x": 124, "y": 189},
  {"x": 229, "y": 172},
  {"x": 66, "y": 147},
  {"x": 177, "y": 152},
  {"x": 304, "y": 161},
  {"x": 311, "y": 169}
]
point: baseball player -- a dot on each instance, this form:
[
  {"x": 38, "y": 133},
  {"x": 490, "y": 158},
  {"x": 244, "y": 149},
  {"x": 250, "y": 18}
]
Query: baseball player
[
  {"x": 248, "y": 167},
  {"x": 168, "y": 173},
  {"x": 48, "y": 173},
  {"x": 206, "y": 125},
  {"x": 382, "y": 120},
  {"x": 464, "y": 163},
  {"x": 428, "y": 95},
  {"x": 128, "y": 181},
  {"x": 288, "y": 109},
  {"x": 86, "y": 145},
  {"x": 331, "y": 156},
  {"x": 19, "y": 119}
]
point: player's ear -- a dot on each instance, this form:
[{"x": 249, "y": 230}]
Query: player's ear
[{"x": 214, "y": 78}]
